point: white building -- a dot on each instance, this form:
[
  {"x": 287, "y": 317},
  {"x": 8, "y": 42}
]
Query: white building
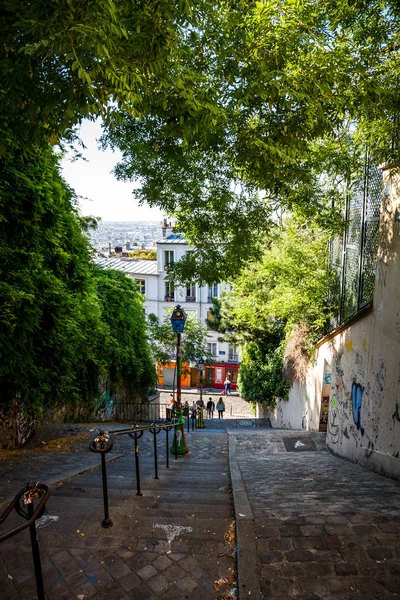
[{"x": 161, "y": 296}]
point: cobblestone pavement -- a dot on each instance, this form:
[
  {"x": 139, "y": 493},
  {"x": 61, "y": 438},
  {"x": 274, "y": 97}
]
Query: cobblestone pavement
[
  {"x": 324, "y": 528},
  {"x": 174, "y": 542},
  {"x": 235, "y": 406}
]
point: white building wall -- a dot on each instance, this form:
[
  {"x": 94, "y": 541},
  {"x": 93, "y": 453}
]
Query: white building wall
[{"x": 357, "y": 369}]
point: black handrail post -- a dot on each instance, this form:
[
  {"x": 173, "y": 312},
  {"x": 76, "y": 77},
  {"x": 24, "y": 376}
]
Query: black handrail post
[
  {"x": 188, "y": 422},
  {"x": 106, "y": 521},
  {"x": 136, "y": 436},
  {"x": 167, "y": 446},
  {"x": 36, "y": 556},
  {"x": 154, "y": 432},
  {"x": 175, "y": 444}
]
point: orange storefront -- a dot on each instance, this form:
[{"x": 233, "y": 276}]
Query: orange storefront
[{"x": 214, "y": 375}]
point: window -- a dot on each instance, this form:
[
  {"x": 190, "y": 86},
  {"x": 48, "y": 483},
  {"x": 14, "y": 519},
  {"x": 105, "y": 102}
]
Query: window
[
  {"x": 168, "y": 259},
  {"x": 212, "y": 348},
  {"x": 169, "y": 291},
  {"x": 141, "y": 283},
  {"x": 191, "y": 292},
  {"x": 233, "y": 354},
  {"x": 213, "y": 291}
]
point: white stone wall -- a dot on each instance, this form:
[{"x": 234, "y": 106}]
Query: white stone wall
[{"x": 363, "y": 366}]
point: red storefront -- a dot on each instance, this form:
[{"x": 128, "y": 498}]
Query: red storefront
[{"x": 215, "y": 375}]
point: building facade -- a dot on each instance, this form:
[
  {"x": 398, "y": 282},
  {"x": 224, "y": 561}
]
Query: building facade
[{"x": 159, "y": 298}]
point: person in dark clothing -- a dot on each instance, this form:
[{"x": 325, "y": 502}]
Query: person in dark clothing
[
  {"x": 210, "y": 408},
  {"x": 220, "y": 408}
]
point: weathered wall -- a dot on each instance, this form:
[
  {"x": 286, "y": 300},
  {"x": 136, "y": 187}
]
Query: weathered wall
[
  {"x": 358, "y": 369},
  {"x": 353, "y": 388},
  {"x": 299, "y": 412},
  {"x": 17, "y": 424},
  {"x": 364, "y": 408}
]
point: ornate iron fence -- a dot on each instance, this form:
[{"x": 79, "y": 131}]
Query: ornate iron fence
[{"x": 353, "y": 257}]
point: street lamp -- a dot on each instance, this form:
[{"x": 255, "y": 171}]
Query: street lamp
[{"x": 178, "y": 319}]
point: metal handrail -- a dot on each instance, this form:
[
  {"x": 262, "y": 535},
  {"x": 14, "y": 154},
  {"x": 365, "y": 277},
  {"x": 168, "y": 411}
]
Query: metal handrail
[
  {"x": 29, "y": 493},
  {"x": 103, "y": 442}
]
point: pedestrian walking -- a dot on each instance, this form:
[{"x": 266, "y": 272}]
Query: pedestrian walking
[
  {"x": 171, "y": 407},
  {"x": 220, "y": 408},
  {"x": 193, "y": 414},
  {"x": 200, "y": 402},
  {"x": 185, "y": 409},
  {"x": 210, "y": 408},
  {"x": 227, "y": 384}
]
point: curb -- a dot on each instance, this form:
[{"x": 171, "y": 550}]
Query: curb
[
  {"x": 247, "y": 559},
  {"x": 66, "y": 477}
]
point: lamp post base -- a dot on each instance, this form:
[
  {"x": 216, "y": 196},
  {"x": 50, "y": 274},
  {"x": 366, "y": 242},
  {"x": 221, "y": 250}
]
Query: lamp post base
[{"x": 179, "y": 444}]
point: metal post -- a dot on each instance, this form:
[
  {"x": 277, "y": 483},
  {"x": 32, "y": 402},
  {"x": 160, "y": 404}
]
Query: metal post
[
  {"x": 36, "y": 556},
  {"x": 155, "y": 432},
  {"x": 179, "y": 446},
  {"x": 106, "y": 521},
  {"x": 167, "y": 446},
  {"x": 136, "y": 435},
  {"x": 175, "y": 445}
]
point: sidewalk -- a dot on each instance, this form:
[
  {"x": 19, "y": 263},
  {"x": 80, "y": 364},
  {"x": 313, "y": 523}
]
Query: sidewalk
[
  {"x": 311, "y": 525},
  {"x": 308, "y": 525}
]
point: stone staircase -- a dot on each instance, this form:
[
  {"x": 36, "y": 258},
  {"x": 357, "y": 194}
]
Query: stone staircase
[{"x": 175, "y": 541}]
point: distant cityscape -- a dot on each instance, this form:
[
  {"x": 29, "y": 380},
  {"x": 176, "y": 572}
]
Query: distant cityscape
[{"x": 131, "y": 235}]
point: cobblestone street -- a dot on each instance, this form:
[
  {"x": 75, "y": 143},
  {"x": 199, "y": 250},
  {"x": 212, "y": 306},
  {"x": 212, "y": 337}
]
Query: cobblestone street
[
  {"x": 309, "y": 525},
  {"x": 324, "y": 528}
]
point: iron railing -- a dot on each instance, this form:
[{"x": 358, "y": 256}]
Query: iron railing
[{"x": 353, "y": 257}]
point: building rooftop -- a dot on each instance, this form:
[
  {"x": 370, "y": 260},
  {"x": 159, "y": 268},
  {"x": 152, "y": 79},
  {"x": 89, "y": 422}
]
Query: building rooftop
[
  {"x": 129, "y": 267},
  {"x": 173, "y": 238}
]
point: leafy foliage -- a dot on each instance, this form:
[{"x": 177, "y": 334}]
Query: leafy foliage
[
  {"x": 61, "y": 334},
  {"x": 126, "y": 351},
  {"x": 143, "y": 254},
  {"x": 261, "y": 367},
  {"x": 288, "y": 287},
  {"x": 163, "y": 340}
]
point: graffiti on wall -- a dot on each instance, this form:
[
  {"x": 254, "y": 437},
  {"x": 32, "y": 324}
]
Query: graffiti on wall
[
  {"x": 333, "y": 427},
  {"x": 17, "y": 424},
  {"x": 396, "y": 414},
  {"x": 357, "y": 393}
]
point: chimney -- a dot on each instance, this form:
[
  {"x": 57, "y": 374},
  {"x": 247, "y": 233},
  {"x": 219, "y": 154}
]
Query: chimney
[{"x": 166, "y": 228}]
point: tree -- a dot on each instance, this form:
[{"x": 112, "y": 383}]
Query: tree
[
  {"x": 126, "y": 351},
  {"x": 163, "y": 340},
  {"x": 143, "y": 254},
  {"x": 280, "y": 299},
  {"x": 65, "y": 327},
  {"x": 63, "y": 61},
  {"x": 286, "y": 79},
  {"x": 261, "y": 369}
]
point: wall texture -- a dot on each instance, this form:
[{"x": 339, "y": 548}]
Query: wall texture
[{"x": 356, "y": 376}]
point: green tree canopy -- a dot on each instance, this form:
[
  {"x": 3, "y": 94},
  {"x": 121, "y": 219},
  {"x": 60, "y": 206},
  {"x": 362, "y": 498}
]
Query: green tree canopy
[
  {"x": 65, "y": 328},
  {"x": 163, "y": 340}
]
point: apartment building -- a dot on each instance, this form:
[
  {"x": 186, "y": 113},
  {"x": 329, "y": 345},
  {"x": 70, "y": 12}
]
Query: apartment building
[{"x": 160, "y": 296}]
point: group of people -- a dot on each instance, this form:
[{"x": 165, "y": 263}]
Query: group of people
[{"x": 197, "y": 408}]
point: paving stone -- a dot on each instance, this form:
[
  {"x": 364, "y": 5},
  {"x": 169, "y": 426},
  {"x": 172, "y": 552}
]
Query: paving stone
[
  {"x": 158, "y": 584},
  {"x": 147, "y": 572},
  {"x": 129, "y": 582},
  {"x": 299, "y": 556}
]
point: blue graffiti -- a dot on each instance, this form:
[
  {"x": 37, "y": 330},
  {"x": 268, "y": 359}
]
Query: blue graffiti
[
  {"x": 357, "y": 393},
  {"x": 327, "y": 378}
]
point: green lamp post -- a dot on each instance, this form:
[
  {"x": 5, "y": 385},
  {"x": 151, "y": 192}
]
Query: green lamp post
[{"x": 178, "y": 319}]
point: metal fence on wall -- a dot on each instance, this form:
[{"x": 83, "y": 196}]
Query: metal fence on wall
[{"x": 353, "y": 257}]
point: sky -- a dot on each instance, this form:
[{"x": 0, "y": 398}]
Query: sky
[{"x": 99, "y": 193}]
